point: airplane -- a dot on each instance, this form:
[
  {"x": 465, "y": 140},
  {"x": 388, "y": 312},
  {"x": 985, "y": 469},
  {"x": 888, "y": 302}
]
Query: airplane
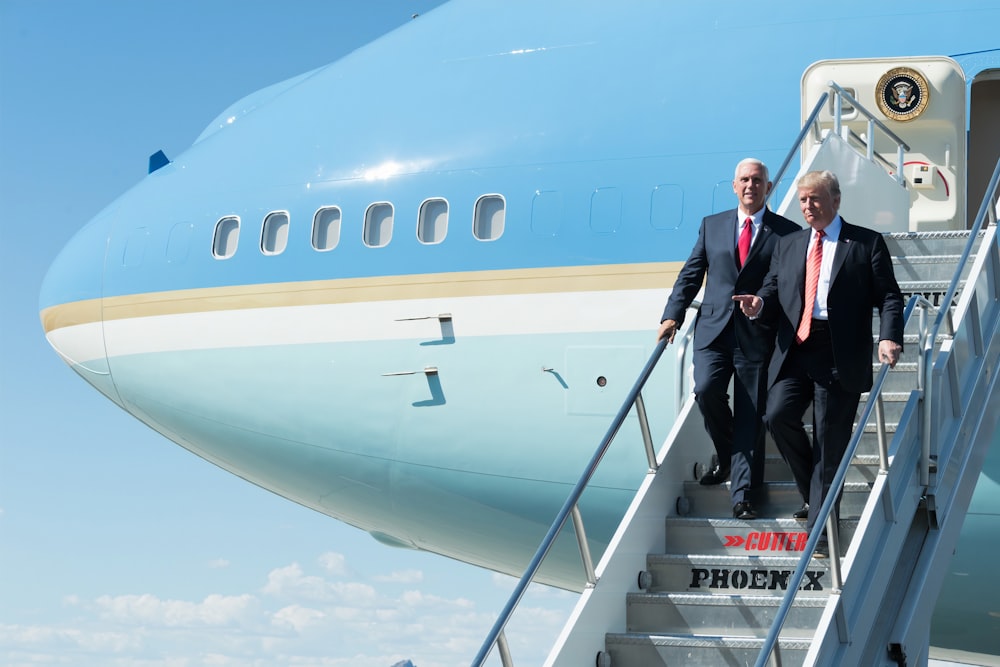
[{"x": 409, "y": 289}]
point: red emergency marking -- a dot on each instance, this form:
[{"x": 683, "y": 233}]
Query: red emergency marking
[{"x": 767, "y": 541}]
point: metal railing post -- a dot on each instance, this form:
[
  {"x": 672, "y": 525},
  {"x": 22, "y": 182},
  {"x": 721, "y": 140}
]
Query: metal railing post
[{"x": 581, "y": 539}]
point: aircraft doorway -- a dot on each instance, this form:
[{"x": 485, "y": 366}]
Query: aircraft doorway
[{"x": 984, "y": 136}]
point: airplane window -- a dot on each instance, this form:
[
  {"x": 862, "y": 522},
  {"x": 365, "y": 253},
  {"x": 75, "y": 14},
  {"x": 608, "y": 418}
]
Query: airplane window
[
  {"x": 135, "y": 247},
  {"x": 432, "y": 222},
  {"x": 546, "y": 212},
  {"x": 227, "y": 237},
  {"x": 666, "y": 207},
  {"x": 274, "y": 235},
  {"x": 179, "y": 242},
  {"x": 378, "y": 225},
  {"x": 326, "y": 228},
  {"x": 847, "y": 109},
  {"x": 605, "y": 210},
  {"x": 489, "y": 218}
]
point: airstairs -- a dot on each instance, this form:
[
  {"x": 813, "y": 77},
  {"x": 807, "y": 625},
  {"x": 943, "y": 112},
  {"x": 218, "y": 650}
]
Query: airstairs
[{"x": 682, "y": 583}]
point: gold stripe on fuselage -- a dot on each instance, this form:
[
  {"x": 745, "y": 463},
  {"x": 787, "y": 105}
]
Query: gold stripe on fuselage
[{"x": 356, "y": 290}]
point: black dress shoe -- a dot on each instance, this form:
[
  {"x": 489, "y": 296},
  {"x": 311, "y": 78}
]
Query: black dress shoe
[
  {"x": 802, "y": 513},
  {"x": 716, "y": 475},
  {"x": 822, "y": 550},
  {"x": 744, "y": 511}
]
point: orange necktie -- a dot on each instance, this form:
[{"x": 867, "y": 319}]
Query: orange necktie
[
  {"x": 744, "y": 245},
  {"x": 813, "y": 264}
]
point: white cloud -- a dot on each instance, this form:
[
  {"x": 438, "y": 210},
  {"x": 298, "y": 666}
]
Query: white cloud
[
  {"x": 292, "y": 582},
  {"x": 334, "y": 563},
  {"x": 300, "y": 617},
  {"x": 218, "y": 564},
  {"x": 401, "y": 577},
  {"x": 214, "y": 610},
  {"x": 28, "y": 636}
]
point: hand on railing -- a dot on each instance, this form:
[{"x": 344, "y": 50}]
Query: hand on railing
[
  {"x": 668, "y": 329},
  {"x": 889, "y": 351}
]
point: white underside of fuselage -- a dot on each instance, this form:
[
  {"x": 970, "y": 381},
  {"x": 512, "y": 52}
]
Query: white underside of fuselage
[{"x": 352, "y": 408}]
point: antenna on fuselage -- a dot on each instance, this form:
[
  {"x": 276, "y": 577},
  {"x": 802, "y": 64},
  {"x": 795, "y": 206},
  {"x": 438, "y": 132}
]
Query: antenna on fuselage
[{"x": 157, "y": 160}]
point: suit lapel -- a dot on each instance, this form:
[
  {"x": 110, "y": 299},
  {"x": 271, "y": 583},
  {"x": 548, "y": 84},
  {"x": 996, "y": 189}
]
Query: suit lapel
[
  {"x": 734, "y": 223},
  {"x": 843, "y": 249},
  {"x": 761, "y": 239},
  {"x": 797, "y": 274}
]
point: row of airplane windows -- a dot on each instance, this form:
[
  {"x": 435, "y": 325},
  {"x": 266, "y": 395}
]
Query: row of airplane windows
[{"x": 432, "y": 226}]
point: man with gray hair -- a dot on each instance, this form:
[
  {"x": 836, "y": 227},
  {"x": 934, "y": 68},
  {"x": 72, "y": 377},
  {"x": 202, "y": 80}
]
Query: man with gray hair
[{"x": 731, "y": 256}]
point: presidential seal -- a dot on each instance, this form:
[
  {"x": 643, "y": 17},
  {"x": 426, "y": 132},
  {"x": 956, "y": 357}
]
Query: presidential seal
[{"x": 902, "y": 94}]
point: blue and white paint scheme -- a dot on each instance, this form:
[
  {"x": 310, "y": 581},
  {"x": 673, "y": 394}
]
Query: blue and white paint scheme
[{"x": 410, "y": 288}]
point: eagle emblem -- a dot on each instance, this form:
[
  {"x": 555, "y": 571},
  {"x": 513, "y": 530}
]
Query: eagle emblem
[{"x": 902, "y": 94}]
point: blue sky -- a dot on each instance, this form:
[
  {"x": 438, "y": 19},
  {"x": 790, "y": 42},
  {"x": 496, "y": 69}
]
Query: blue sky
[{"x": 118, "y": 547}]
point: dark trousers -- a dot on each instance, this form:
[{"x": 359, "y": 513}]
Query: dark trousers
[
  {"x": 737, "y": 433},
  {"x": 809, "y": 375}
]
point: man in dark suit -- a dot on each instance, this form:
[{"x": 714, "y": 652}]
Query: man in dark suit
[
  {"x": 734, "y": 251},
  {"x": 822, "y": 287}
]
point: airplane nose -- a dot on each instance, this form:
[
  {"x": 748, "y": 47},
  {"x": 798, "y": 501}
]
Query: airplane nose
[{"x": 70, "y": 305}]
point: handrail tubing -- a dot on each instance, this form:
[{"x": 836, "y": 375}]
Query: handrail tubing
[
  {"x": 944, "y": 314},
  {"x": 567, "y": 508},
  {"x": 978, "y": 224},
  {"x": 682, "y": 348},
  {"x": 806, "y": 127},
  {"x": 872, "y": 120},
  {"x": 822, "y": 518},
  {"x": 867, "y": 114}
]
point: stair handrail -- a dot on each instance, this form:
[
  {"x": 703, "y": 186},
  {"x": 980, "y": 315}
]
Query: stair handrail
[
  {"x": 839, "y": 96},
  {"x": 569, "y": 507},
  {"x": 987, "y": 215},
  {"x": 803, "y": 133},
  {"x": 824, "y": 518},
  {"x": 873, "y": 122}
]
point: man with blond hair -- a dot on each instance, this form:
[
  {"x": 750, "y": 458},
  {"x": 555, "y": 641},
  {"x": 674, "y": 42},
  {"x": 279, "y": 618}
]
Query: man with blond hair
[{"x": 822, "y": 287}]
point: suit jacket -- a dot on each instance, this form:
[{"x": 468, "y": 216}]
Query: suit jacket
[
  {"x": 861, "y": 280},
  {"x": 714, "y": 254}
]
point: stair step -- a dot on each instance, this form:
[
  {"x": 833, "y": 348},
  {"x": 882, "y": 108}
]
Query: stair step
[
  {"x": 926, "y": 286},
  {"x": 775, "y": 499},
  {"x": 746, "y": 573},
  {"x": 783, "y": 537},
  {"x": 861, "y": 470},
  {"x": 922, "y": 268},
  {"x": 902, "y": 379},
  {"x": 628, "y": 649},
  {"x": 929, "y": 244},
  {"x": 724, "y": 615}
]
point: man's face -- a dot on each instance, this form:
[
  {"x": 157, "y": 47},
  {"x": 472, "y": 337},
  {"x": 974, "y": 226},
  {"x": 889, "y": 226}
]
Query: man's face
[
  {"x": 818, "y": 206},
  {"x": 750, "y": 187}
]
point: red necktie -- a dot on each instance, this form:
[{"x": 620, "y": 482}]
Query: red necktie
[
  {"x": 744, "y": 245},
  {"x": 814, "y": 261}
]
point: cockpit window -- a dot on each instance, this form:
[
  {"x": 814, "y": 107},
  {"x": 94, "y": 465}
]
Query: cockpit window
[{"x": 227, "y": 237}]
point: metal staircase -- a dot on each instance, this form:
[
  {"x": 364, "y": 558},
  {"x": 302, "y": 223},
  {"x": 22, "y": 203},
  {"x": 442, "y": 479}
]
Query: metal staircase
[
  {"x": 681, "y": 583},
  {"x": 712, "y": 595}
]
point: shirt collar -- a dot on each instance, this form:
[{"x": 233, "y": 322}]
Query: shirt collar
[
  {"x": 757, "y": 217},
  {"x": 832, "y": 230}
]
